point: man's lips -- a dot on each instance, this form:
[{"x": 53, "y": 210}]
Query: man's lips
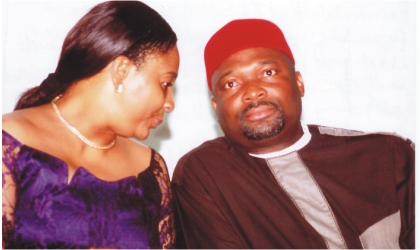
[{"x": 258, "y": 113}]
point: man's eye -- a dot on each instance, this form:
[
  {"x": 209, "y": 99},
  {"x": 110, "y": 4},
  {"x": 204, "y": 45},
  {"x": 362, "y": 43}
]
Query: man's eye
[
  {"x": 269, "y": 72},
  {"x": 230, "y": 85}
]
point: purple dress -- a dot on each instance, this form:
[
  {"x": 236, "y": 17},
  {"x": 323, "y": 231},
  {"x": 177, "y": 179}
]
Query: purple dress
[{"x": 42, "y": 210}]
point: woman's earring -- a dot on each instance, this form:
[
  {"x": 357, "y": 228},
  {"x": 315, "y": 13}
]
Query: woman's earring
[{"x": 119, "y": 89}]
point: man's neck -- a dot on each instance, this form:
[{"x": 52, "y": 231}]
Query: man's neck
[{"x": 302, "y": 141}]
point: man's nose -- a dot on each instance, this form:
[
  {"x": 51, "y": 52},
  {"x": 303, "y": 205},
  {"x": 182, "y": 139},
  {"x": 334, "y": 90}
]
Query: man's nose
[{"x": 253, "y": 92}]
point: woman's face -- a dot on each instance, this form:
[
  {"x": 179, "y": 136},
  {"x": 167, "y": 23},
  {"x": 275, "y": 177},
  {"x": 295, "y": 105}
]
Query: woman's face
[{"x": 147, "y": 94}]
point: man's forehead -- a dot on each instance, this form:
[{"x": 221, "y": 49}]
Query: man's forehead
[{"x": 249, "y": 57}]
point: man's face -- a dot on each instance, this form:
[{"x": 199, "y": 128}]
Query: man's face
[{"x": 257, "y": 97}]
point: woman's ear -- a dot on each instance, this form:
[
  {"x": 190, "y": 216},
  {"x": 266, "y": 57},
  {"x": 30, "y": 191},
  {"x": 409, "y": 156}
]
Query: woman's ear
[{"x": 119, "y": 71}]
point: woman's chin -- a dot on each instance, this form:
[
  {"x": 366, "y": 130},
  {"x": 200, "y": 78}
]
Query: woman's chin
[{"x": 143, "y": 135}]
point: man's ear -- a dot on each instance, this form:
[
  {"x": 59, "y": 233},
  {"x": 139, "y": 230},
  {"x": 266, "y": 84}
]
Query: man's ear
[
  {"x": 300, "y": 84},
  {"x": 119, "y": 70},
  {"x": 214, "y": 103}
]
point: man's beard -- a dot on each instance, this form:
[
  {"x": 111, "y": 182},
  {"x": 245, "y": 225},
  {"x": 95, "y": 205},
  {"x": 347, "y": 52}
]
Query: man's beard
[{"x": 266, "y": 129}]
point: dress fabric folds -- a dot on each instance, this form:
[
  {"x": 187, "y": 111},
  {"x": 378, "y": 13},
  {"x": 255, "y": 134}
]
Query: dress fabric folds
[{"x": 47, "y": 211}]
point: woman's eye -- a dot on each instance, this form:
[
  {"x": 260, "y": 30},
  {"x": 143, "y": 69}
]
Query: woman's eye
[
  {"x": 167, "y": 84},
  {"x": 230, "y": 85},
  {"x": 269, "y": 72}
]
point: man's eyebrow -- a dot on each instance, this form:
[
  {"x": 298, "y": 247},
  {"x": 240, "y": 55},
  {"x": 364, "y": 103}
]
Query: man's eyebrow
[
  {"x": 224, "y": 74},
  {"x": 266, "y": 62},
  {"x": 259, "y": 64}
]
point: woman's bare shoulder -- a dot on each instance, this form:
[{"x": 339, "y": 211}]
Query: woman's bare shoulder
[
  {"x": 15, "y": 124},
  {"x": 147, "y": 153},
  {"x": 136, "y": 151},
  {"x": 22, "y": 124}
]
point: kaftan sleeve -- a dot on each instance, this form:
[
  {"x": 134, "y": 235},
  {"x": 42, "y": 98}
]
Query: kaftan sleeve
[
  {"x": 10, "y": 149},
  {"x": 166, "y": 223},
  {"x": 404, "y": 162},
  {"x": 200, "y": 218}
]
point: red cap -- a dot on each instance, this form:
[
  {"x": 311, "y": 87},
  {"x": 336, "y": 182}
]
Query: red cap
[{"x": 242, "y": 34}]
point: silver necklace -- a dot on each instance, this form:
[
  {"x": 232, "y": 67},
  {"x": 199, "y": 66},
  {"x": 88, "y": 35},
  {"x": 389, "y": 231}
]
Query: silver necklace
[{"x": 75, "y": 131}]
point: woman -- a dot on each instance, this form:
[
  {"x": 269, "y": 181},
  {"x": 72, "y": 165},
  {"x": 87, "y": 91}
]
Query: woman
[{"x": 72, "y": 178}]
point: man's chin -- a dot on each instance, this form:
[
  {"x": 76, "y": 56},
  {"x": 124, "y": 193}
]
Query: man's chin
[
  {"x": 259, "y": 134},
  {"x": 264, "y": 129}
]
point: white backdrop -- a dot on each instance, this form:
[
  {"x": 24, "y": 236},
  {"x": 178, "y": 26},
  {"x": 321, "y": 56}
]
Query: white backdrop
[{"x": 357, "y": 58}]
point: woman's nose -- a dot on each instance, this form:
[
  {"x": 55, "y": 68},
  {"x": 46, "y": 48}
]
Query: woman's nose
[{"x": 169, "y": 104}]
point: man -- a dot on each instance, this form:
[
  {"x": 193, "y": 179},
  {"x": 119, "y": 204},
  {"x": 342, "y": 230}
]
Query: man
[{"x": 274, "y": 182}]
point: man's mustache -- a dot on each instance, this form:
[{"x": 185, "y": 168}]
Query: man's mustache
[{"x": 256, "y": 104}]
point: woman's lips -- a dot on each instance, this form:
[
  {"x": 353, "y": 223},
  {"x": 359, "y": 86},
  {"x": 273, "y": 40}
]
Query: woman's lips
[
  {"x": 260, "y": 112},
  {"x": 156, "y": 122}
]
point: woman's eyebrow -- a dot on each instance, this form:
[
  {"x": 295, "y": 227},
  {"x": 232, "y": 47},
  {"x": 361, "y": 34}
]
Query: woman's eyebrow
[{"x": 174, "y": 74}]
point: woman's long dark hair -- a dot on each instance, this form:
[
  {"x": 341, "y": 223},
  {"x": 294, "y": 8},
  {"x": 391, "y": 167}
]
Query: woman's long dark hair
[{"x": 108, "y": 30}]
